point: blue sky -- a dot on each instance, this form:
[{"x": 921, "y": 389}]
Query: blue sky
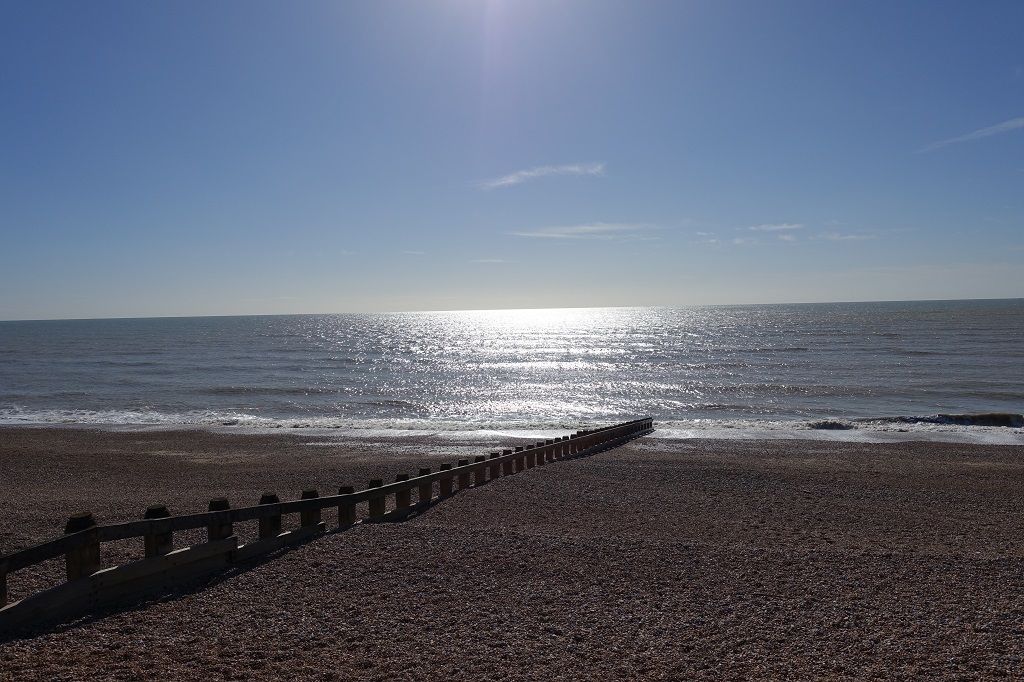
[{"x": 244, "y": 157}]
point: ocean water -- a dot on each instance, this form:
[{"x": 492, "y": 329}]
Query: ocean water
[{"x": 844, "y": 370}]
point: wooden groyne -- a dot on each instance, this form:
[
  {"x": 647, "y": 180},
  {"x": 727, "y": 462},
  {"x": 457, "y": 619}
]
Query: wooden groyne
[{"x": 89, "y": 587}]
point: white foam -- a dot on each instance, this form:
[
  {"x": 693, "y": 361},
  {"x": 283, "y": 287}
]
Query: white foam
[
  {"x": 866, "y": 433},
  {"x": 467, "y": 431}
]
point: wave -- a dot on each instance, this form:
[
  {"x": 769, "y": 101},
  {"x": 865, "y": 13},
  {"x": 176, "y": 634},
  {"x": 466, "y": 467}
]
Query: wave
[
  {"x": 1002, "y": 419},
  {"x": 122, "y": 363},
  {"x": 830, "y": 425},
  {"x": 268, "y": 390},
  {"x": 391, "y": 403}
]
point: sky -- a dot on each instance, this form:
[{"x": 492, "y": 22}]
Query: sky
[{"x": 194, "y": 158}]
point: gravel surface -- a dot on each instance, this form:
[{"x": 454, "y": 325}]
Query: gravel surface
[{"x": 657, "y": 560}]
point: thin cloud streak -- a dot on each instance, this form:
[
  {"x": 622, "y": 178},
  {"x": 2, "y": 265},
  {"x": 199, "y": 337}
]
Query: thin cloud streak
[
  {"x": 603, "y": 231},
  {"x": 776, "y": 227},
  {"x": 841, "y": 237},
  {"x": 519, "y": 177},
  {"x": 997, "y": 129}
]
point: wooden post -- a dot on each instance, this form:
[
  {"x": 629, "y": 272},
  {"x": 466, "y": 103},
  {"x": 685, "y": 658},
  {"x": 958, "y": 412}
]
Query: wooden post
[
  {"x": 541, "y": 453},
  {"x": 464, "y": 475},
  {"x": 494, "y": 468},
  {"x": 507, "y": 466},
  {"x": 426, "y": 490},
  {"x": 520, "y": 459},
  {"x": 3, "y": 587},
  {"x": 84, "y": 560},
  {"x": 445, "y": 483},
  {"x": 531, "y": 457},
  {"x": 216, "y": 530},
  {"x": 403, "y": 498},
  {"x": 549, "y": 450},
  {"x": 378, "y": 505},
  {"x": 346, "y": 510},
  {"x": 158, "y": 544},
  {"x": 479, "y": 475},
  {"x": 270, "y": 526},
  {"x": 310, "y": 517}
]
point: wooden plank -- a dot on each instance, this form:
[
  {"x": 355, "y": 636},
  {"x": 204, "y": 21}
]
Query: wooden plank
[
  {"x": 267, "y": 545},
  {"x": 51, "y": 549},
  {"x": 55, "y": 603},
  {"x": 164, "y": 564},
  {"x": 258, "y": 548}
]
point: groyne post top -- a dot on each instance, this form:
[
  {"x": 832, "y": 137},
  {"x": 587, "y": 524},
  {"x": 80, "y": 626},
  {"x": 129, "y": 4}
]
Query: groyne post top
[
  {"x": 215, "y": 530},
  {"x": 426, "y": 490},
  {"x": 270, "y": 526},
  {"x": 445, "y": 483},
  {"x": 403, "y": 498},
  {"x": 219, "y": 504},
  {"x": 480, "y": 474},
  {"x": 156, "y": 511},
  {"x": 346, "y": 510},
  {"x": 542, "y": 453},
  {"x": 310, "y": 517},
  {"x": 158, "y": 544},
  {"x": 84, "y": 560},
  {"x": 378, "y": 505}
]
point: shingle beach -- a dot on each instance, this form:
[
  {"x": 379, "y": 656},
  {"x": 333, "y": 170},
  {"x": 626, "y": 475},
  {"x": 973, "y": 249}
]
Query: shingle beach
[{"x": 661, "y": 559}]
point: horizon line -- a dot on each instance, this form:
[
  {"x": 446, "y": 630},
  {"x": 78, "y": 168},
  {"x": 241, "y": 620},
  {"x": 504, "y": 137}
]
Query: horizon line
[{"x": 478, "y": 310}]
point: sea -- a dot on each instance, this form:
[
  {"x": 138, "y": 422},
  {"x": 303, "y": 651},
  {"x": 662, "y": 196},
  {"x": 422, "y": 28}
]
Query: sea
[{"x": 932, "y": 370}]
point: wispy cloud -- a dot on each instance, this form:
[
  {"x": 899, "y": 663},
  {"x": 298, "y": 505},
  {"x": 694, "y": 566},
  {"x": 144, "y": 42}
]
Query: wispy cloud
[
  {"x": 519, "y": 177},
  {"x": 997, "y": 129},
  {"x": 845, "y": 237},
  {"x": 786, "y": 237},
  {"x": 776, "y": 227},
  {"x": 605, "y": 231},
  {"x": 744, "y": 241}
]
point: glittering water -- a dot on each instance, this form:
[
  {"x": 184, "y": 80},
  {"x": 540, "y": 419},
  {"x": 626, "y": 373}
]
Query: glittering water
[{"x": 516, "y": 369}]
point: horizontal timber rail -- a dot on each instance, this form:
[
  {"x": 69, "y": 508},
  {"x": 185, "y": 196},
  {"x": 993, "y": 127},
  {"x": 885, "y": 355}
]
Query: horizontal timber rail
[{"x": 88, "y": 586}]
